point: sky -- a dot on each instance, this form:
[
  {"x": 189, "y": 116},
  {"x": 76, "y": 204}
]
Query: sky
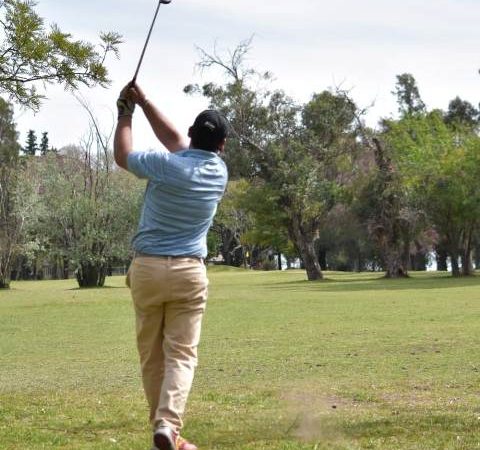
[{"x": 309, "y": 45}]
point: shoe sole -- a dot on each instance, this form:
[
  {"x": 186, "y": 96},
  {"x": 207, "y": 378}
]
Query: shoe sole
[{"x": 162, "y": 442}]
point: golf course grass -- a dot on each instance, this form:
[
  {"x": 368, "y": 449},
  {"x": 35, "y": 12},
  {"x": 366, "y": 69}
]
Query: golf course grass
[{"x": 354, "y": 362}]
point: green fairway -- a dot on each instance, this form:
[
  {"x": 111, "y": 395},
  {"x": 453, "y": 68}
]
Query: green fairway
[{"x": 355, "y": 362}]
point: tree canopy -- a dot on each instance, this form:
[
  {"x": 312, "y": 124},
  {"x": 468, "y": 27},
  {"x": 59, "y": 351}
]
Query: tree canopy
[{"x": 33, "y": 55}]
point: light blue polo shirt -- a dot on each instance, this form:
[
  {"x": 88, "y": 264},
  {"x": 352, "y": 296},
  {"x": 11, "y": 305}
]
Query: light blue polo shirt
[{"x": 183, "y": 191}]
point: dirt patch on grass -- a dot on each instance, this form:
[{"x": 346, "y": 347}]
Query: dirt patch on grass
[{"x": 314, "y": 415}]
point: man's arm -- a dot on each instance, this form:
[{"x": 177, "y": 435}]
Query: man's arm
[
  {"x": 122, "y": 143},
  {"x": 165, "y": 131}
]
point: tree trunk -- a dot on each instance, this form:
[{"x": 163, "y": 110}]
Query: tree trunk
[
  {"x": 312, "y": 266},
  {"x": 66, "y": 268},
  {"x": 467, "y": 268},
  {"x": 91, "y": 275},
  {"x": 359, "y": 262},
  {"x": 476, "y": 257},
  {"x": 322, "y": 259},
  {"x": 304, "y": 244},
  {"x": 406, "y": 256},
  {"x": 455, "y": 266},
  {"x": 279, "y": 256},
  {"x": 394, "y": 267},
  {"x": 5, "y": 272},
  {"x": 442, "y": 257}
]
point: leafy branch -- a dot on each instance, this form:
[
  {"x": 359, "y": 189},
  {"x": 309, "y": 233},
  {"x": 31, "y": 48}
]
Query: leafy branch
[{"x": 29, "y": 54}]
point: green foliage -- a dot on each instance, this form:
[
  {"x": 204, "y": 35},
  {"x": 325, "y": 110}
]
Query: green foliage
[
  {"x": 462, "y": 114},
  {"x": 294, "y": 151},
  {"x": 11, "y": 222},
  {"x": 269, "y": 228},
  {"x": 329, "y": 115},
  {"x": 29, "y": 53},
  {"x": 441, "y": 168},
  {"x": 44, "y": 144},
  {"x": 86, "y": 211},
  {"x": 250, "y": 211},
  {"x": 408, "y": 95},
  {"x": 31, "y": 146}
]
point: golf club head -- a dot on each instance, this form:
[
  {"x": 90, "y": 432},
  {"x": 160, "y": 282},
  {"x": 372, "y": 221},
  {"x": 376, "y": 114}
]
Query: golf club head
[{"x": 165, "y": 2}]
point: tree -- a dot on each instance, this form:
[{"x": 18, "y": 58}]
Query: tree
[
  {"x": 462, "y": 113},
  {"x": 88, "y": 211},
  {"x": 443, "y": 167},
  {"x": 249, "y": 222},
  {"x": 11, "y": 223},
  {"x": 44, "y": 144},
  {"x": 231, "y": 223},
  {"x": 296, "y": 155},
  {"x": 31, "y": 146},
  {"x": 408, "y": 95},
  {"x": 382, "y": 207},
  {"x": 30, "y": 54}
]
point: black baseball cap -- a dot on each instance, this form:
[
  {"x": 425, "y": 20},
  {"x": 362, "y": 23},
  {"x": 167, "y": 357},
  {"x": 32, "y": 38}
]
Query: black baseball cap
[{"x": 209, "y": 129}]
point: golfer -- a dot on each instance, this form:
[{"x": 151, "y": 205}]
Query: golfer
[{"x": 167, "y": 277}]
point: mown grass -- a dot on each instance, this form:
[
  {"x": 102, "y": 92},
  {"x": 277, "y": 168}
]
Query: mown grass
[{"x": 355, "y": 362}]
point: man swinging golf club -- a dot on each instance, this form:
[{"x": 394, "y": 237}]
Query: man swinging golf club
[{"x": 167, "y": 277}]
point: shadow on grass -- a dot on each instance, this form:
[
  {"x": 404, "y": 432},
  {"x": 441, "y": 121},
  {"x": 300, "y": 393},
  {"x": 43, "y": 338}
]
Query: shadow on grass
[
  {"x": 93, "y": 288},
  {"x": 376, "y": 283}
]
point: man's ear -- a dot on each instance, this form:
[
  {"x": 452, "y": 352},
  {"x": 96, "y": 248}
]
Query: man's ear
[{"x": 221, "y": 146}]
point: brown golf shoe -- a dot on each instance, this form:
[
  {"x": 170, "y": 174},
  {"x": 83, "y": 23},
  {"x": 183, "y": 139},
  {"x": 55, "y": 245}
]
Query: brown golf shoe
[
  {"x": 165, "y": 438},
  {"x": 183, "y": 444}
]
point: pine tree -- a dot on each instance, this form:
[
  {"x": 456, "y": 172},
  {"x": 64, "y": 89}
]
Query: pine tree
[
  {"x": 44, "y": 147},
  {"x": 31, "y": 147}
]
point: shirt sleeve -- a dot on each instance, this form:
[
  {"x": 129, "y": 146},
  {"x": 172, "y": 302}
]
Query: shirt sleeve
[{"x": 148, "y": 165}]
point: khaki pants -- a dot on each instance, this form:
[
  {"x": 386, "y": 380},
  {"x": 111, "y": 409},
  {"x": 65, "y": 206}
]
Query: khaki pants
[{"x": 169, "y": 295}]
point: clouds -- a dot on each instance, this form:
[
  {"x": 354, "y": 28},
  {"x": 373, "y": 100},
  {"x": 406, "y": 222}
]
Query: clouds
[{"x": 309, "y": 45}]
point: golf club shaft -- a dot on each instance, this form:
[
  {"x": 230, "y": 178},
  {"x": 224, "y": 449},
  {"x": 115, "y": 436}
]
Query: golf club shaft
[{"x": 146, "y": 43}]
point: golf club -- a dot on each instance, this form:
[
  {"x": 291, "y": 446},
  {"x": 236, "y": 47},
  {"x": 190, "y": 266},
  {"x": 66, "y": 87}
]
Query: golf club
[{"x": 165, "y": 2}]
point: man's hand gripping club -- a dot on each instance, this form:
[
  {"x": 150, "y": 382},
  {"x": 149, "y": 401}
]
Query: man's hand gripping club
[{"x": 130, "y": 96}]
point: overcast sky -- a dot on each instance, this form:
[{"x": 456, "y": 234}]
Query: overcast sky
[{"x": 309, "y": 45}]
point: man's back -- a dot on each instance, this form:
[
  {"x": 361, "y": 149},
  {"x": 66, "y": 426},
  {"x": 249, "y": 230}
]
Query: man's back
[{"x": 180, "y": 201}]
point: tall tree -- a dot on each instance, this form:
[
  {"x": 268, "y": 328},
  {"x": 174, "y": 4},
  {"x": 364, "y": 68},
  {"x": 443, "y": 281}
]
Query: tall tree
[
  {"x": 408, "y": 95},
  {"x": 249, "y": 222},
  {"x": 382, "y": 208},
  {"x": 44, "y": 144},
  {"x": 462, "y": 113},
  {"x": 11, "y": 222},
  {"x": 30, "y": 53},
  {"x": 88, "y": 211},
  {"x": 295, "y": 154},
  {"x": 443, "y": 167},
  {"x": 31, "y": 146},
  {"x": 231, "y": 223}
]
